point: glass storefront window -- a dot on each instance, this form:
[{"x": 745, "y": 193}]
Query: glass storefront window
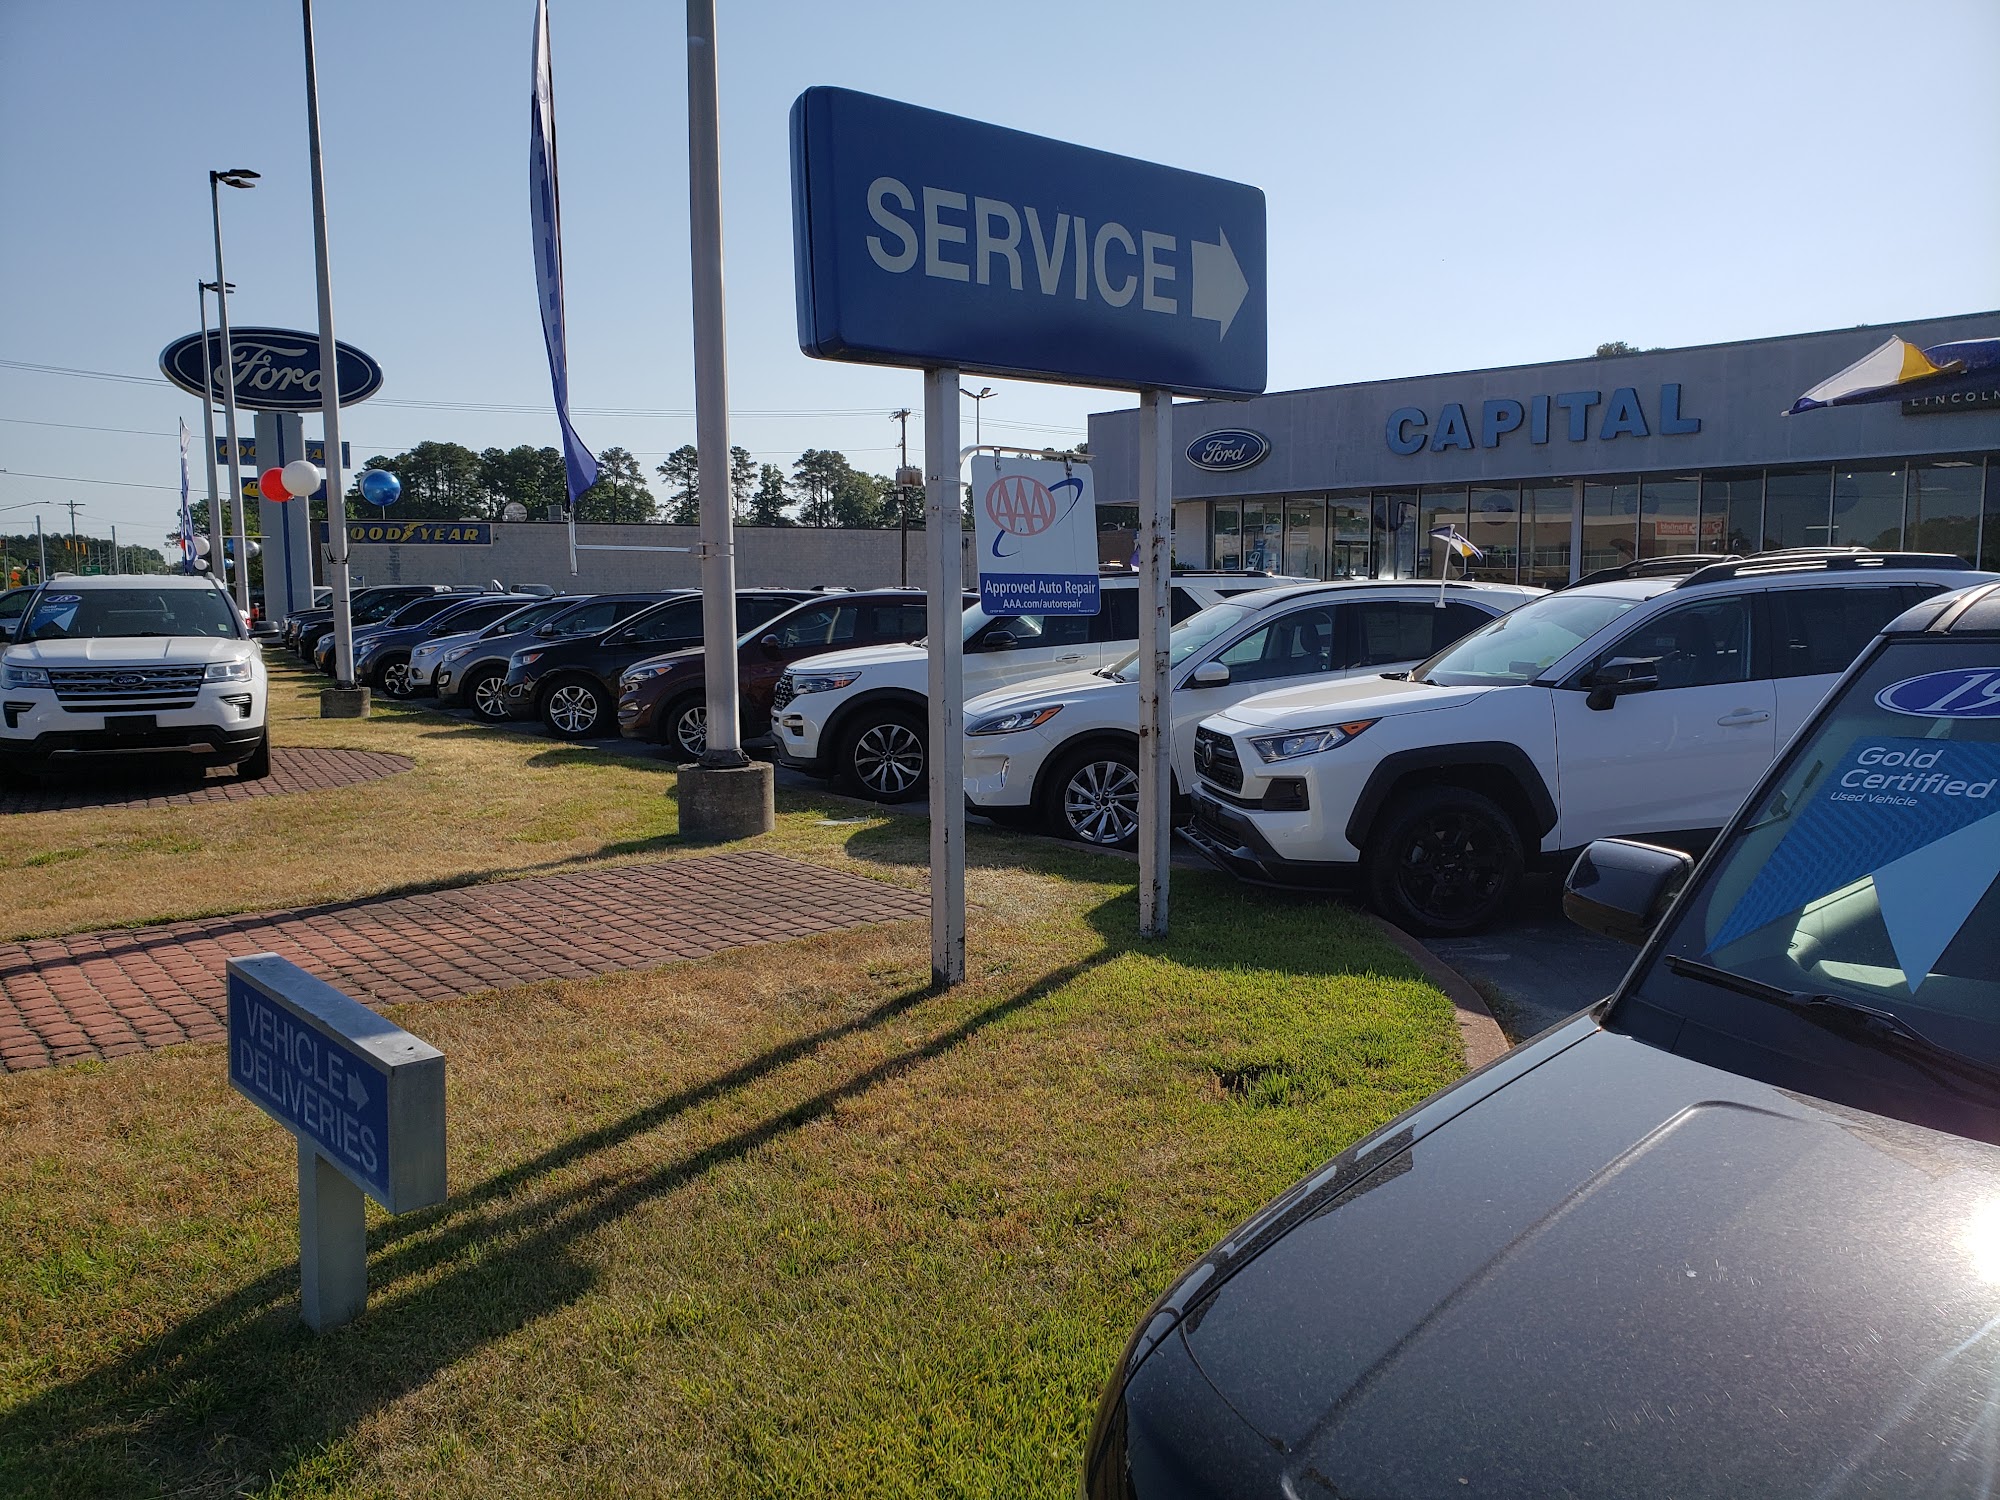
[
  {"x": 1545, "y": 516},
  {"x": 1264, "y": 535},
  {"x": 1670, "y": 516},
  {"x": 1496, "y": 532},
  {"x": 1394, "y": 521},
  {"x": 1732, "y": 512},
  {"x": 1797, "y": 507},
  {"x": 1227, "y": 552},
  {"x": 1347, "y": 536},
  {"x": 1437, "y": 509},
  {"x": 1610, "y": 523},
  {"x": 1305, "y": 536},
  {"x": 1989, "y": 546},
  {"x": 1868, "y": 506},
  {"x": 1944, "y": 507}
]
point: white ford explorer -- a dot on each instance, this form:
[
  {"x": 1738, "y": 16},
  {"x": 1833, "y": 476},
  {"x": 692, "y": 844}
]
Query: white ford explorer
[
  {"x": 128, "y": 664},
  {"x": 1642, "y": 707}
]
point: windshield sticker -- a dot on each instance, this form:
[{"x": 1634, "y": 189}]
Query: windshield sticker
[
  {"x": 62, "y": 599},
  {"x": 1893, "y": 808},
  {"x": 1962, "y": 693}
]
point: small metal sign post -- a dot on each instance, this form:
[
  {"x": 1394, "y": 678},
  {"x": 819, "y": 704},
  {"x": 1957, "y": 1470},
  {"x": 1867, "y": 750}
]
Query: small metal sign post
[
  {"x": 931, "y": 241},
  {"x": 366, "y": 1101}
]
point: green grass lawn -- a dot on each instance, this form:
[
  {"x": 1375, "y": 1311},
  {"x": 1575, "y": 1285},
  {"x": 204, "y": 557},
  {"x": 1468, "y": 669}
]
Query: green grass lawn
[{"x": 778, "y": 1223}]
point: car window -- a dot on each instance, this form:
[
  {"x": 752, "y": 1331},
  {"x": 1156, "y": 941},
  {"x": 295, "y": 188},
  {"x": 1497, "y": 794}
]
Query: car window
[
  {"x": 97, "y": 614},
  {"x": 677, "y": 622},
  {"x": 1181, "y": 605},
  {"x": 1392, "y": 630},
  {"x": 1819, "y": 632},
  {"x": 1289, "y": 646},
  {"x": 1117, "y": 617},
  {"x": 1042, "y": 630},
  {"x": 588, "y": 619},
  {"x": 1199, "y": 631},
  {"x": 1521, "y": 645},
  {"x": 755, "y": 609},
  {"x": 473, "y": 617},
  {"x": 1703, "y": 643},
  {"x": 377, "y": 610},
  {"x": 889, "y": 621},
  {"x": 526, "y": 618},
  {"x": 810, "y": 627}
]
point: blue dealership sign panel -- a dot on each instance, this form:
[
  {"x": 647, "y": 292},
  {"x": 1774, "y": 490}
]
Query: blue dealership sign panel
[{"x": 926, "y": 239}]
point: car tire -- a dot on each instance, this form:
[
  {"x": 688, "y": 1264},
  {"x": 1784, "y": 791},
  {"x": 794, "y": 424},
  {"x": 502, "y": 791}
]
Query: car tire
[
  {"x": 1443, "y": 863},
  {"x": 258, "y": 764},
  {"x": 684, "y": 726},
  {"x": 393, "y": 676},
  {"x": 882, "y": 755},
  {"x": 485, "y": 693},
  {"x": 577, "y": 709},
  {"x": 1093, "y": 797}
]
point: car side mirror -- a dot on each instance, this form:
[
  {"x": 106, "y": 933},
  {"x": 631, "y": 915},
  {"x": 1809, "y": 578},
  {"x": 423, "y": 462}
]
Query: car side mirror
[
  {"x": 771, "y": 645},
  {"x": 547, "y": 632},
  {"x": 1210, "y": 674},
  {"x": 1621, "y": 675},
  {"x": 1622, "y": 888},
  {"x": 995, "y": 640}
]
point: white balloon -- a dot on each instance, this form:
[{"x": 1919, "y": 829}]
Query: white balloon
[
  {"x": 303, "y": 477},
  {"x": 201, "y": 546},
  {"x": 201, "y": 565}
]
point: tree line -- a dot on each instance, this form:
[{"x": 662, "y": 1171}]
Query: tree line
[{"x": 448, "y": 481}]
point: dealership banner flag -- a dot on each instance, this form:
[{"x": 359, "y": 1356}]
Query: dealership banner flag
[
  {"x": 186, "y": 537},
  {"x": 544, "y": 210},
  {"x": 1454, "y": 543},
  {"x": 1900, "y": 371}
]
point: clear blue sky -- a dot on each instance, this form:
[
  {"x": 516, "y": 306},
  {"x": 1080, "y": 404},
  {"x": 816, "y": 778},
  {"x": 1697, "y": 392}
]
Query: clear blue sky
[{"x": 1451, "y": 185}]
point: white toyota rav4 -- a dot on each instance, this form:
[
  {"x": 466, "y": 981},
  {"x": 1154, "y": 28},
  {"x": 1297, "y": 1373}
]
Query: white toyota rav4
[
  {"x": 1642, "y": 707},
  {"x": 860, "y": 715},
  {"x": 1064, "y": 751},
  {"x": 132, "y": 663}
]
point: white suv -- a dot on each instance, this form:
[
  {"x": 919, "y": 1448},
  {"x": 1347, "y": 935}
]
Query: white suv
[
  {"x": 132, "y": 663},
  {"x": 860, "y": 716},
  {"x": 1645, "y": 707},
  {"x": 1065, "y": 750}
]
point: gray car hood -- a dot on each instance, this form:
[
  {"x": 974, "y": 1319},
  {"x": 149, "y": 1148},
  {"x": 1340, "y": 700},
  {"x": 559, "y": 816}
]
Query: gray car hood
[{"x": 1625, "y": 1273}]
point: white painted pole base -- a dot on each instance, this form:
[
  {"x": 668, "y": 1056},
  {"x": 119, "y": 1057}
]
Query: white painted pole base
[{"x": 333, "y": 1244}]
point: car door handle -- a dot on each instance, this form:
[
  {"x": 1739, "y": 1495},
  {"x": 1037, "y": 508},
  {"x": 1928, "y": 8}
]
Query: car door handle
[
  {"x": 1073, "y": 656},
  {"x": 1743, "y": 716}
]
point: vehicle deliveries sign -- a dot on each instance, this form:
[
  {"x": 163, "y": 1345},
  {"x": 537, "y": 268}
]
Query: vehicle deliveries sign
[{"x": 1035, "y": 522}]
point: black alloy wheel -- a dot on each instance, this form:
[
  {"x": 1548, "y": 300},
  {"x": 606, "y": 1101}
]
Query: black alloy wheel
[
  {"x": 1094, "y": 798},
  {"x": 883, "y": 754},
  {"x": 486, "y": 690},
  {"x": 394, "y": 676},
  {"x": 684, "y": 726},
  {"x": 576, "y": 709},
  {"x": 1444, "y": 863}
]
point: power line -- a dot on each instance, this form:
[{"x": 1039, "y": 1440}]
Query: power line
[{"x": 123, "y": 484}]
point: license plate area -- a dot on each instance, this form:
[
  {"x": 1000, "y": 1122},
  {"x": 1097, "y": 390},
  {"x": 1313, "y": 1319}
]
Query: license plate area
[{"x": 130, "y": 725}]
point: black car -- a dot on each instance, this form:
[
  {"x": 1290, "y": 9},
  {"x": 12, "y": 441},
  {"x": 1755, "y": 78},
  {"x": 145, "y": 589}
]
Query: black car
[
  {"x": 572, "y": 685},
  {"x": 382, "y": 660},
  {"x": 366, "y": 607},
  {"x": 13, "y": 604},
  {"x": 1734, "y": 1231},
  {"x": 476, "y": 674}
]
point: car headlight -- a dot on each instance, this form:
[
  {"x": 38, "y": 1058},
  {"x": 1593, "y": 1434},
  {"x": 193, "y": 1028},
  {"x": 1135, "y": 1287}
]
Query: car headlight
[
  {"x": 822, "y": 682},
  {"x": 227, "y": 671},
  {"x": 20, "y": 677},
  {"x": 524, "y": 658},
  {"x": 1299, "y": 742},
  {"x": 644, "y": 674},
  {"x": 1015, "y": 720},
  {"x": 457, "y": 653}
]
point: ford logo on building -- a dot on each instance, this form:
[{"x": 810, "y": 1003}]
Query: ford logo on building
[
  {"x": 1228, "y": 448},
  {"x": 277, "y": 369}
]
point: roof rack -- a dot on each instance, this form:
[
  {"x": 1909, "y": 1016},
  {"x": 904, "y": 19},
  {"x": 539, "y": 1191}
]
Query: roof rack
[
  {"x": 1654, "y": 567},
  {"x": 1821, "y": 560}
]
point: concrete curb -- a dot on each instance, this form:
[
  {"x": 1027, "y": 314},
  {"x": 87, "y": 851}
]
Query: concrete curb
[{"x": 1483, "y": 1038}]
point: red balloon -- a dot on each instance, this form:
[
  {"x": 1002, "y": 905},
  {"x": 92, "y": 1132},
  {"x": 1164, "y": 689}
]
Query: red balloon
[{"x": 271, "y": 485}]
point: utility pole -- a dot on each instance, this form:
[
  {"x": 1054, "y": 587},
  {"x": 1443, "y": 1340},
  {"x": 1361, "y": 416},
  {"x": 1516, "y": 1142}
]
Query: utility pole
[
  {"x": 70, "y": 548},
  {"x": 114, "y": 549},
  {"x": 903, "y": 488},
  {"x": 42, "y": 542}
]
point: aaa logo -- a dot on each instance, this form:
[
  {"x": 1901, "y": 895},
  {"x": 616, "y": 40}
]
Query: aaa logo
[{"x": 1021, "y": 506}]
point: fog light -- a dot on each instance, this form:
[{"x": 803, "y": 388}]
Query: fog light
[
  {"x": 13, "y": 712},
  {"x": 240, "y": 702},
  {"x": 1287, "y": 794}
]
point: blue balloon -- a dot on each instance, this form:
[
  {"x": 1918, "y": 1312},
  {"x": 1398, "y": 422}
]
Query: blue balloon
[{"x": 380, "y": 487}]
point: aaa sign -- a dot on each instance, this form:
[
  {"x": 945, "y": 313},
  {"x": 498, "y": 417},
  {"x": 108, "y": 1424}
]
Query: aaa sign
[{"x": 1035, "y": 523}]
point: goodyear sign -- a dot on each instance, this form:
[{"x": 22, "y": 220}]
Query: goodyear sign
[
  {"x": 246, "y": 450},
  {"x": 418, "y": 533}
]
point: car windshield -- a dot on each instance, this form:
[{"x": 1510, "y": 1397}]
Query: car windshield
[
  {"x": 95, "y": 614},
  {"x": 1191, "y": 635},
  {"x": 1868, "y": 871},
  {"x": 525, "y": 619},
  {"x": 1519, "y": 647}
]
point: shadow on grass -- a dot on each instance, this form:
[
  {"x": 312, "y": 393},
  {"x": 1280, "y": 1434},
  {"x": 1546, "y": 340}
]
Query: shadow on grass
[{"x": 240, "y": 1391}]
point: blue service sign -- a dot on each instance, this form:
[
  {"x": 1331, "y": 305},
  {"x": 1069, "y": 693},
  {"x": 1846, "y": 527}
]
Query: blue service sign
[
  {"x": 277, "y": 369},
  {"x": 1228, "y": 448},
  {"x": 926, "y": 239},
  {"x": 367, "y": 1095}
]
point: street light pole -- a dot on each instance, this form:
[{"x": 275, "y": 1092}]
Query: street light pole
[
  {"x": 343, "y": 701},
  {"x": 236, "y": 177},
  {"x": 979, "y": 399}
]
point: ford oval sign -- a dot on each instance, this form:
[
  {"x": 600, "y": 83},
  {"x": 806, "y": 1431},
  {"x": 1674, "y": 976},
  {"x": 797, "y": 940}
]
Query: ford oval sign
[
  {"x": 1228, "y": 448},
  {"x": 277, "y": 369},
  {"x": 1963, "y": 693}
]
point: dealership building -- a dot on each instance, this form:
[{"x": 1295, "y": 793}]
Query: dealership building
[{"x": 1556, "y": 470}]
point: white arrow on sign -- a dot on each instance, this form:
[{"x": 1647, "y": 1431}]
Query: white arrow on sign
[
  {"x": 1219, "y": 287},
  {"x": 356, "y": 1094}
]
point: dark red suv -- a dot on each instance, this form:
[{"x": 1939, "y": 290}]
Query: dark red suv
[{"x": 663, "y": 698}]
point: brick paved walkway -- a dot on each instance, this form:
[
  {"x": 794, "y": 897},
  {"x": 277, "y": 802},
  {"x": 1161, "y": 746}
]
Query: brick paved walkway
[
  {"x": 104, "y": 994},
  {"x": 291, "y": 771}
]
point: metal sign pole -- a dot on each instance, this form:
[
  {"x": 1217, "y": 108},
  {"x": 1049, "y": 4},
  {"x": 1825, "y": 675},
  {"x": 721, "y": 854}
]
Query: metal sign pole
[
  {"x": 944, "y": 585},
  {"x": 241, "y": 587},
  {"x": 1156, "y": 725},
  {"x": 208, "y": 439}
]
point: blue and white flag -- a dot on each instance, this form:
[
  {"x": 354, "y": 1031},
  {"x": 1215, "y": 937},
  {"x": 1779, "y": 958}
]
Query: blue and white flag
[
  {"x": 186, "y": 537},
  {"x": 1454, "y": 542},
  {"x": 546, "y": 216}
]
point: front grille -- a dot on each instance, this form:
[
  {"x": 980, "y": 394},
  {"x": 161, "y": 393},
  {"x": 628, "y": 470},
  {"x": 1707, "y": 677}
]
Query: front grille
[
  {"x": 112, "y": 689},
  {"x": 783, "y": 693},
  {"x": 1215, "y": 759}
]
